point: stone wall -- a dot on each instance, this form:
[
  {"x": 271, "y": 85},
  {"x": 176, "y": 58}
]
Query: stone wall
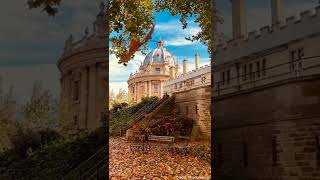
[
  {"x": 269, "y": 133},
  {"x": 196, "y": 104}
]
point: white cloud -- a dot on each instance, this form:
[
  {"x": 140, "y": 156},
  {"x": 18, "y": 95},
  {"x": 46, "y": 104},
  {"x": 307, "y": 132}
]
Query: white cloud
[
  {"x": 180, "y": 41},
  {"x": 115, "y": 86},
  {"x": 175, "y": 35}
]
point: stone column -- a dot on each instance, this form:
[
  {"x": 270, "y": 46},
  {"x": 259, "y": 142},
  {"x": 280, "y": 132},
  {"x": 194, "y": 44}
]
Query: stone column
[
  {"x": 92, "y": 96},
  {"x": 161, "y": 88},
  {"x": 197, "y": 61},
  {"x": 146, "y": 88},
  {"x": 101, "y": 92},
  {"x": 67, "y": 91},
  {"x": 150, "y": 88},
  {"x": 138, "y": 92},
  {"x": 276, "y": 12},
  {"x": 84, "y": 98},
  {"x": 239, "y": 19},
  {"x": 135, "y": 92},
  {"x": 185, "y": 66}
]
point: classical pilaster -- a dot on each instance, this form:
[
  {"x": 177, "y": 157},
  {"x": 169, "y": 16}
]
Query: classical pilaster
[
  {"x": 150, "y": 88},
  {"x": 138, "y": 92},
  {"x": 146, "y": 88},
  {"x": 84, "y": 98},
  {"x": 161, "y": 88},
  {"x": 92, "y": 95},
  {"x": 101, "y": 93},
  {"x": 68, "y": 86}
]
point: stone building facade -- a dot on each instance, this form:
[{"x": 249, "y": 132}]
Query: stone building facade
[
  {"x": 158, "y": 66},
  {"x": 84, "y": 74},
  {"x": 159, "y": 75},
  {"x": 192, "y": 91},
  {"x": 266, "y": 98}
]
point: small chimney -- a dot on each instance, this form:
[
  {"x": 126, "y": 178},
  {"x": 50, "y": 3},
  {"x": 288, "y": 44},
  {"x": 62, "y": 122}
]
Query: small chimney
[
  {"x": 276, "y": 12},
  {"x": 239, "y": 19},
  {"x": 197, "y": 60},
  {"x": 185, "y": 66}
]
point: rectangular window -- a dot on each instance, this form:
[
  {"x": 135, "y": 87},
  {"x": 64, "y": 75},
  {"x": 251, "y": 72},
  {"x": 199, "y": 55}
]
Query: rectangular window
[
  {"x": 244, "y": 69},
  {"x": 293, "y": 58},
  {"x": 274, "y": 152},
  {"x": 300, "y": 56},
  {"x": 250, "y": 71},
  {"x": 157, "y": 69},
  {"x": 75, "y": 120},
  {"x": 155, "y": 88},
  {"x": 175, "y": 86},
  {"x": 76, "y": 91},
  {"x": 245, "y": 154},
  {"x": 258, "y": 68},
  {"x": 203, "y": 80},
  {"x": 187, "y": 110},
  {"x": 263, "y": 67},
  {"x": 223, "y": 78},
  {"x": 196, "y": 108},
  {"x": 228, "y": 77},
  {"x": 238, "y": 71}
]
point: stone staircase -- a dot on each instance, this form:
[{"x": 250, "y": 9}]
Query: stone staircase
[
  {"x": 93, "y": 168},
  {"x": 136, "y": 117},
  {"x": 96, "y": 166}
]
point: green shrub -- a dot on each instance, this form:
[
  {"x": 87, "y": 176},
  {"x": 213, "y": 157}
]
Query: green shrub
[
  {"x": 57, "y": 158},
  {"x": 120, "y": 120}
]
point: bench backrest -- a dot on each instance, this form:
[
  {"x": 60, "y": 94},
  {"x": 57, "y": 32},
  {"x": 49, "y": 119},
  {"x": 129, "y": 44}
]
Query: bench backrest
[{"x": 161, "y": 138}]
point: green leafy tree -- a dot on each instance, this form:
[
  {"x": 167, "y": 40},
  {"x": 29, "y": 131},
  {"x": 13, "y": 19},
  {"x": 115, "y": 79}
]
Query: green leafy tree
[
  {"x": 39, "y": 110},
  {"x": 131, "y": 21},
  {"x": 66, "y": 125}
]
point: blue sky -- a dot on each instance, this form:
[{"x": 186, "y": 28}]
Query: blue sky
[
  {"x": 169, "y": 29},
  {"x": 31, "y": 42}
]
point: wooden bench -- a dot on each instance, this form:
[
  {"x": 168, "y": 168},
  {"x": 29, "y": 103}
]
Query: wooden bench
[
  {"x": 181, "y": 148},
  {"x": 169, "y": 140},
  {"x": 145, "y": 147}
]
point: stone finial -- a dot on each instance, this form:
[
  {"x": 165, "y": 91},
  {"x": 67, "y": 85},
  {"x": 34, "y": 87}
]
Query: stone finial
[
  {"x": 86, "y": 31},
  {"x": 276, "y": 12},
  {"x": 160, "y": 42},
  {"x": 197, "y": 60},
  {"x": 185, "y": 66},
  {"x": 102, "y": 9},
  {"x": 68, "y": 42}
]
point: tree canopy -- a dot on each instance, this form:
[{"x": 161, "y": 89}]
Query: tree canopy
[{"x": 131, "y": 21}]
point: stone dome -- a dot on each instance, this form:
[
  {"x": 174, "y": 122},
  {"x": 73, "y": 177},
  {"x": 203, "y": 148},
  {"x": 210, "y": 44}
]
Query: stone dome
[{"x": 160, "y": 56}]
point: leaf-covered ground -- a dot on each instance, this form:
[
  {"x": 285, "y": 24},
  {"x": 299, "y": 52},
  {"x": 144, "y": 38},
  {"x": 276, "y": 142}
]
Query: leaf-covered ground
[{"x": 157, "y": 164}]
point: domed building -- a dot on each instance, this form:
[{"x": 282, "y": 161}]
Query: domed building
[
  {"x": 158, "y": 66},
  {"x": 83, "y": 74}
]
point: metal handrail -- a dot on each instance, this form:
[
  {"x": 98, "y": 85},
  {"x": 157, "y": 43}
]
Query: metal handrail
[
  {"x": 77, "y": 170},
  {"x": 148, "y": 108}
]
